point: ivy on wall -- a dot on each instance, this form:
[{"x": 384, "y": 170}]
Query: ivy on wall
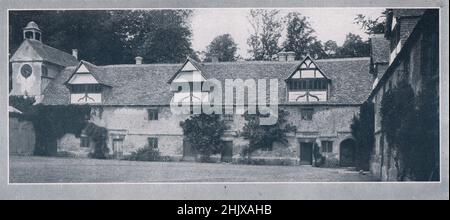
[
  {"x": 410, "y": 124},
  {"x": 263, "y": 136},
  {"x": 52, "y": 122}
]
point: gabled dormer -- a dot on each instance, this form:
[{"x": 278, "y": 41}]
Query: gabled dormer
[
  {"x": 84, "y": 86},
  {"x": 307, "y": 83},
  {"x": 190, "y": 74}
]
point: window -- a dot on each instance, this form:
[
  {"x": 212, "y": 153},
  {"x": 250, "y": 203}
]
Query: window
[
  {"x": 307, "y": 84},
  {"x": 152, "y": 142},
  {"x": 38, "y": 36},
  {"x": 228, "y": 117},
  {"x": 84, "y": 141},
  {"x": 28, "y": 35},
  {"x": 327, "y": 146},
  {"x": 44, "y": 71},
  {"x": 152, "y": 114},
  {"x": 307, "y": 114},
  {"x": 86, "y": 88}
]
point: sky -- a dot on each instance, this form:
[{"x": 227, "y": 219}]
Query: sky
[{"x": 329, "y": 24}]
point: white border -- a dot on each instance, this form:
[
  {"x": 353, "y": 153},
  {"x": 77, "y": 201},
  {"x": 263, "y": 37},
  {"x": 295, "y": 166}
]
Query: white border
[{"x": 426, "y": 184}]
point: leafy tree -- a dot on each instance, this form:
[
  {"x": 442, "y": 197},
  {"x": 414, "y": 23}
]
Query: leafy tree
[
  {"x": 330, "y": 48},
  {"x": 91, "y": 32},
  {"x": 159, "y": 36},
  {"x": 263, "y": 136},
  {"x": 300, "y": 38},
  {"x": 267, "y": 27},
  {"x": 362, "y": 128},
  {"x": 204, "y": 132},
  {"x": 371, "y": 26},
  {"x": 223, "y": 47},
  {"x": 354, "y": 46},
  {"x": 111, "y": 37}
]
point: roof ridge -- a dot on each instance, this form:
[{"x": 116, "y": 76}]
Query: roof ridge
[
  {"x": 139, "y": 65},
  {"x": 344, "y": 59}
]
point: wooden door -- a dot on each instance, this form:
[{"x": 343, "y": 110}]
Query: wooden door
[
  {"x": 227, "y": 152},
  {"x": 306, "y": 150}
]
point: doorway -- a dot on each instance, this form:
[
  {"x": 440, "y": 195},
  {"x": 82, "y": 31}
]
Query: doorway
[
  {"x": 347, "y": 153},
  {"x": 118, "y": 149},
  {"x": 189, "y": 153},
  {"x": 306, "y": 150},
  {"x": 227, "y": 152}
]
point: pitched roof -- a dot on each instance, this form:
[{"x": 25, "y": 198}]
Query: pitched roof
[
  {"x": 44, "y": 53},
  {"x": 146, "y": 84},
  {"x": 379, "y": 49}
]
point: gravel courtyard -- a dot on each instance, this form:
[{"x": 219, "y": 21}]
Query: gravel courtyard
[{"x": 70, "y": 170}]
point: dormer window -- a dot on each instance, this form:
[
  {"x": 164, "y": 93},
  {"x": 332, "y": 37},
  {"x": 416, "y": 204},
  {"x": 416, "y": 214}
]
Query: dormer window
[
  {"x": 189, "y": 74},
  {"x": 84, "y": 87},
  {"x": 307, "y": 83}
]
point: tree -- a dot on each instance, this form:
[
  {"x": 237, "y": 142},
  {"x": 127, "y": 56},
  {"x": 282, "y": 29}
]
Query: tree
[
  {"x": 300, "y": 38},
  {"x": 330, "y": 48},
  {"x": 263, "y": 136},
  {"x": 223, "y": 47},
  {"x": 371, "y": 26},
  {"x": 362, "y": 128},
  {"x": 204, "y": 132},
  {"x": 159, "y": 36},
  {"x": 91, "y": 32},
  {"x": 354, "y": 46},
  {"x": 267, "y": 27},
  {"x": 111, "y": 37}
]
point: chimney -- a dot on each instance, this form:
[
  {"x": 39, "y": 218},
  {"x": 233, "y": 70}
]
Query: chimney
[
  {"x": 75, "y": 53},
  {"x": 282, "y": 56},
  {"x": 214, "y": 58},
  {"x": 138, "y": 60},
  {"x": 290, "y": 56}
]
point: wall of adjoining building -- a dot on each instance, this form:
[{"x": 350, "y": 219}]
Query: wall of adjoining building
[
  {"x": 382, "y": 163},
  {"x": 21, "y": 136}
]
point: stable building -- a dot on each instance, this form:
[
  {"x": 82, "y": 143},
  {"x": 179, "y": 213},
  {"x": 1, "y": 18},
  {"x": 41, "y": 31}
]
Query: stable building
[{"x": 132, "y": 101}]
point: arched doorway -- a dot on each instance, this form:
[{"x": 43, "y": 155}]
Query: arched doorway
[{"x": 347, "y": 152}]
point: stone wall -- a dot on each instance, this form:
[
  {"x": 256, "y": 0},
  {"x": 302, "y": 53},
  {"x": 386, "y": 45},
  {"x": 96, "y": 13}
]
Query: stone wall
[{"x": 131, "y": 126}]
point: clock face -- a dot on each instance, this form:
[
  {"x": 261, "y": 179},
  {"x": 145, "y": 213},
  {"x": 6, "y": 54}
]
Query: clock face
[{"x": 26, "y": 71}]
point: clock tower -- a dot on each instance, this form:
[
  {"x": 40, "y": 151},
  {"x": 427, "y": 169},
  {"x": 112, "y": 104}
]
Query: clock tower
[{"x": 35, "y": 65}]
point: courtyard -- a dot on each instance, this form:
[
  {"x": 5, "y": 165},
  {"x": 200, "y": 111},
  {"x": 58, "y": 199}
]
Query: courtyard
[{"x": 76, "y": 170}]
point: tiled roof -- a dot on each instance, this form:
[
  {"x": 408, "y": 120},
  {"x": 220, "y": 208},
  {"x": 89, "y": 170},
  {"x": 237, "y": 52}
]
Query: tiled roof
[
  {"x": 147, "y": 84},
  {"x": 398, "y": 13},
  {"x": 379, "y": 48},
  {"x": 47, "y": 53}
]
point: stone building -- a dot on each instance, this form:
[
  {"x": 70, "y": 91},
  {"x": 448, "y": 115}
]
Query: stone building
[
  {"x": 413, "y": 37},
  {"x": 133, "y": 100}
]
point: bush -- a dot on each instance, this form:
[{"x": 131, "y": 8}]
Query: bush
[
  {"x": 145, "y": 154},
  {"x": 362, "y": 129},
  {"x": 319, "y": 159},
  {"x": 99, "y": 136},
  {"x": 204, "y": 132},
  {"x": 263, "y": 136}
]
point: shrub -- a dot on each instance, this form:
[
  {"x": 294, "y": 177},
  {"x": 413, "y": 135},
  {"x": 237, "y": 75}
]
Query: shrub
[
  {"x": 145, "y": 154},
  {"x": 204, "y": 132},
  {"x": 362, "y": 129},
  {"x": 263, "y": 136},
  {"x": 99, "y": 136},
  {"x": 319, "y": 159}
]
